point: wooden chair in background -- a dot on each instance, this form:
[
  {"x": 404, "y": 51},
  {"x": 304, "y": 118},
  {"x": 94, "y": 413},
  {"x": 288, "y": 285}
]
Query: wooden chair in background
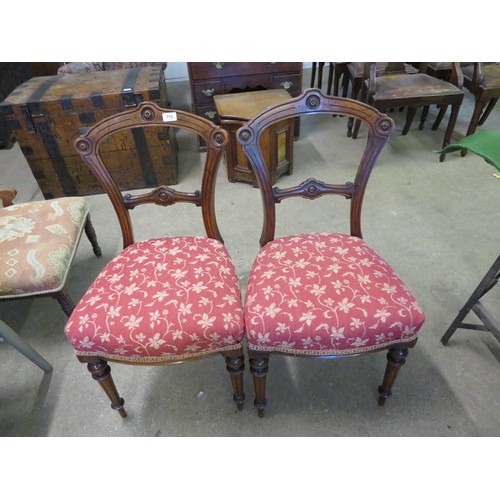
[
  {"x": 412, "y": 91},
  {"x": 482, "y": 80}
]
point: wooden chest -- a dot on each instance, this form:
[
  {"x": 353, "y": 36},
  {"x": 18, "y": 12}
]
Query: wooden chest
[
  {"x": 208, "y": 79},
  {"x": 47, "y": 114},
  {"x": 234, "y": 110}
]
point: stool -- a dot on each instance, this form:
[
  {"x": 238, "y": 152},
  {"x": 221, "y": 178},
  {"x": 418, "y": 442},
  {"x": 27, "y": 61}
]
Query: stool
[{"x": 234, "y": 110}]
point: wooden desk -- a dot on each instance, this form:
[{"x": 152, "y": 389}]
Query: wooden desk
[{"x": 209, "y": 79}]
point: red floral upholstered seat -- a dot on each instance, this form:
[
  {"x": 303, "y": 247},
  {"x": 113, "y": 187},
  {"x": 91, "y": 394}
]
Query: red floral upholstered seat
[
  {"x": 326, "y": 294},
  {"x": 323, "y": 294},
  {"x": 166, "y": 299},
  {"x": 38, "y": 241},
  {"x": 161, "y": 299}
]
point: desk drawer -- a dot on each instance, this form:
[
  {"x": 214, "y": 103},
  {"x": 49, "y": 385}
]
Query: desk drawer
[
  {"x": 292, "y": 83},
  {"x": 208, "y": 112},
  {"x": 204, "y": 92},
  {"x": 208, "y": 70},
  {"x": 247, "y": 83}
]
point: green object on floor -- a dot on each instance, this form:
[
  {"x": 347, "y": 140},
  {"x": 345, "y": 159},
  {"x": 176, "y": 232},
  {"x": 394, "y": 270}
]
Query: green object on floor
[{"x": 485, "y": 143}]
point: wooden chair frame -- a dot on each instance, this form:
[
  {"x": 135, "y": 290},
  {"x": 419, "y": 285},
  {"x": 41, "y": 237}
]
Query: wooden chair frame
[
  {"x": 149, "y": 114},
  {"x": 380, "y": 126}
]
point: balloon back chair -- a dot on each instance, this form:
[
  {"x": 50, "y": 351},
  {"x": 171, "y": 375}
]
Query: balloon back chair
[
  {"x": 38, "y": 242},
  {"x": 323, "y": 295},
  {"x": 167, "y": 299}
]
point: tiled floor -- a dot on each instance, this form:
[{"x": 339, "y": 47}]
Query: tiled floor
[{"x": 434, "y": 222}]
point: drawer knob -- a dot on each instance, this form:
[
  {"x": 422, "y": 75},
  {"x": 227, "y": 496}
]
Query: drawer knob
[
  {"x": 210, "y": 114},
  {"x": 208, "y": 92},
  {"x": 287, "y": 85},
  {"x": 218, "y": 65}
]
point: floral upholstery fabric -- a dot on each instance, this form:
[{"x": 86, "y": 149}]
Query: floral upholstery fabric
[
  {"x": 326, "y": 294},
  {"x": 159, "y": 300},
  {"x": 38, "y": 241}
]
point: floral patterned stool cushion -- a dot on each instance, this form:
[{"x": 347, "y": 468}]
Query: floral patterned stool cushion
[
  {"x": 326, "y": 294},
  {"x": 38, "y": 241},
  {"x": 158, "y": 300}
]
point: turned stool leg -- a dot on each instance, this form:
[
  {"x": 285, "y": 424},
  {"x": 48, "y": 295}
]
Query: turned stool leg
[
  {"x": 396, "y": 358},
  {"x": 65, "y": 301},
  {"x": 102, "y": 373},
  {"x": 90, "y": 232},
  {"x": 235, "y": 365}
]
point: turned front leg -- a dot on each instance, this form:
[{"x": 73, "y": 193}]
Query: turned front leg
[
  {"x": 396, "y": 358},
  {"x": 259, "y": 367},
  {"x": 235, "y": 366},
  {"x": 102, "y": 373}
]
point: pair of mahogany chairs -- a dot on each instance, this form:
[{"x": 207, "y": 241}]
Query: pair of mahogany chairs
[{"x": 175, "y": 299}]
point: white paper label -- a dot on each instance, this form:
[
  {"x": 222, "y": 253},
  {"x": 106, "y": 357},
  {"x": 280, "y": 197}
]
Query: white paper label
[{"x": 169, "y": 117}]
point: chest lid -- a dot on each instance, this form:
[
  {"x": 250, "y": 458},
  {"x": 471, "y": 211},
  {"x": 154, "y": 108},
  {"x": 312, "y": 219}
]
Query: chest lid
[{"x": 116, "y": 89}]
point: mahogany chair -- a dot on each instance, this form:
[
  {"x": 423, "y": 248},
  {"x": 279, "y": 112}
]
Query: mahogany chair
[
  {"x": 394, "y": 90},
  {"x": 319, "y": 66},
  {"x": 443, "y": 71},
  {"x": 355, "y": 75},
  {"x": 483, "y": 81},
  {"x": 336, "y": 73},
  {"x": 328, "y": 294},
  {"x": 162, "y": 300},
  {"x": 38, "y": 242}
]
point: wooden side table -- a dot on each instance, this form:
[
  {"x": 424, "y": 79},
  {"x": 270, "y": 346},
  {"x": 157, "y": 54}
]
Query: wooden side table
[
  {"x": 208, "y": 79},
  {"x": 234, "y": 110}
]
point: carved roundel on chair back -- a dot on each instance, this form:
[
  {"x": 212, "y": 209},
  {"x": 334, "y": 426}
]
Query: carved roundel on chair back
[
  {"x": 148, "y": 114},
  {"x": 245, "y": 135},
  {"x": 384, "y": 126},
  {"x": 313, "y": 101},
  {"x": 219, "y": 138}
]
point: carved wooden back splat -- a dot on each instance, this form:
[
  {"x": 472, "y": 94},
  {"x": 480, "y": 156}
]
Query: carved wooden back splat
[
  {"x": 312, "y": 101},
  {"x": 149, "y": 114}
]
